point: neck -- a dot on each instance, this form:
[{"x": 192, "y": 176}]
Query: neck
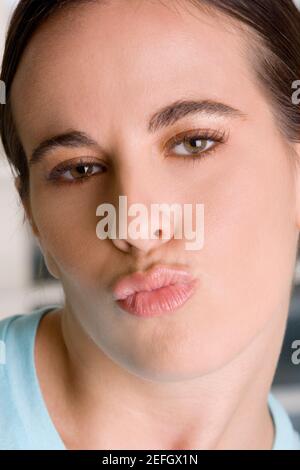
[{"x": 226, "y": 409}]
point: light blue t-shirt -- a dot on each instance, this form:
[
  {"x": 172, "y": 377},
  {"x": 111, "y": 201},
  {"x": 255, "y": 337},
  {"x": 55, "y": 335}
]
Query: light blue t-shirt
[{"x": 25, "y": 423}]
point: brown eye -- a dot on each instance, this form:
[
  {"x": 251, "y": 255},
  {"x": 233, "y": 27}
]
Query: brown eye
[
  {"x": 77, "y": 171},
  {"x": 195, "y": 143},
  {"x": 80, "y": 171},
  {"x": 193, "y": 146}
]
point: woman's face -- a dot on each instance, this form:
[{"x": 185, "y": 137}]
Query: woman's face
[{"x": 105, "y": 70}]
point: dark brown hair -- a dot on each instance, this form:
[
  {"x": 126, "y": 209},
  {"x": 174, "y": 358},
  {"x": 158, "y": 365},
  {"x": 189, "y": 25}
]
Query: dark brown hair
[{"x": 275, "y": 24}]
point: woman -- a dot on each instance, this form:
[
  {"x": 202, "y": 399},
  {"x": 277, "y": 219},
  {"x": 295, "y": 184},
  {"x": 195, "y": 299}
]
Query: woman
[{"x": 156, "y": 346}]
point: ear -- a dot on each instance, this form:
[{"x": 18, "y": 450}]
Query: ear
[{"x": 49, "y": 261}]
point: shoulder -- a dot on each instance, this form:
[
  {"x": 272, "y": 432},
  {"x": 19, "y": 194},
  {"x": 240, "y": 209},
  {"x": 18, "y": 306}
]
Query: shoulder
[
  {"x": 16, "y": 332},
  {"x": 5, "y": 323},
  {"x": 22, "y": 324},
  {"x": 17, "y": 335},
  {"x": 286, "y": 437}
]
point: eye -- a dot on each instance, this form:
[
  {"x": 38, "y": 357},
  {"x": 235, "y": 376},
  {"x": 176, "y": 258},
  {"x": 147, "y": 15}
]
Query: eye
[
  {"x": 78, "y": 171},
  {"x": 192, "y": 144}
]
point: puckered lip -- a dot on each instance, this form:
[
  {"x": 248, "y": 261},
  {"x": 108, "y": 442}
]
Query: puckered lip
[{"x": 158, "y": 276}]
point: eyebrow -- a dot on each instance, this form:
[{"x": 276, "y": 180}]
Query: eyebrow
[
  {"x": 165, "y": 117},
  {"x": 72, "y": 139},
  {"x": 170, "y": 114}
]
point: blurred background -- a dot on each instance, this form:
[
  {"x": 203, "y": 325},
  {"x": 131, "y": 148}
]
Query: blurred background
[{"x": 25, "y": 283}]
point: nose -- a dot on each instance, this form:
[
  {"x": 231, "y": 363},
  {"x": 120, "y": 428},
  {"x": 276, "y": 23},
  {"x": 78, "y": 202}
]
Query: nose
[{"x": 143, "y": 227}]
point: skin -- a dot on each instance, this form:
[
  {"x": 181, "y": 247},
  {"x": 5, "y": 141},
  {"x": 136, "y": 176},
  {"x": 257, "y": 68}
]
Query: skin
[{"x": 198, "y": 378}]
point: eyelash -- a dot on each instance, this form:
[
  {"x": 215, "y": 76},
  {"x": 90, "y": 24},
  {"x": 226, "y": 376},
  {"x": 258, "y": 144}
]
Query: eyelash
[
  {"x": 218, "y": 137},
  {"x": 56, "y": 173}
]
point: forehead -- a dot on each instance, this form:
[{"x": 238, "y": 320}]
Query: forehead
[{"x": 106, "y": 64}]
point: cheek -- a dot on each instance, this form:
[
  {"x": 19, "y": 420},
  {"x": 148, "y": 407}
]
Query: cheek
[
  {"x": 67, "y": 227},
  {"x": 249, "y": 249},
  {"x": 246, "y": 265}
]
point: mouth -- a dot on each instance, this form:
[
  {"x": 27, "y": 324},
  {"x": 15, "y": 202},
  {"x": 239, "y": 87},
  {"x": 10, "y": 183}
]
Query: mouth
[{"x": 154, "y": 292}]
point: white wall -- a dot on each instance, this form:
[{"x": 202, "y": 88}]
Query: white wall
[
  {"x": 6, "y": 8},
  {"x": 297, "y": 2}
]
